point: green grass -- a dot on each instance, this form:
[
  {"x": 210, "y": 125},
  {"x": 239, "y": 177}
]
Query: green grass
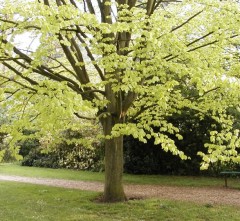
[
  {"x": 15, "y": 169},
  {"x": 27, "y": 202}
]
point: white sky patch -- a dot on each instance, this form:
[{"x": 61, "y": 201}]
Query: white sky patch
[
  {"x": 229, "y": 79},
  {"x": 27, "y": 41}
]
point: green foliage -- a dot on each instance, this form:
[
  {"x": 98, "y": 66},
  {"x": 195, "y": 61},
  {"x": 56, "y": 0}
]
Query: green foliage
[
  {"x": 63, "y": 155},
  {"x": 28, "y": 144},
  {"x": 2, "y": 151},
  {"x": 148, "y": 158},
  {"x": 8, "y": 154},
  {"x": 151, "y": 159},
  {"x": 128, "y": 65},
  {"x": 153, "y": 71},
  {"x": 38, "y": 159}
]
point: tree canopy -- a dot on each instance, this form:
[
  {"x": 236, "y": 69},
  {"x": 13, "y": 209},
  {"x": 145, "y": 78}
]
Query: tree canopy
[{"x": 127, "y": 64}]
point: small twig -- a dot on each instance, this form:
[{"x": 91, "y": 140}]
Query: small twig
[
  {"x": 204, "y": 45},
  {"x": 187, "y": 21}
]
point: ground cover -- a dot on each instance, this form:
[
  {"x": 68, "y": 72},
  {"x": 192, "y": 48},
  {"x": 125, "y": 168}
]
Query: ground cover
[
  {"x": 16, "y": 169},
  {"x": 25, "y": 202}
]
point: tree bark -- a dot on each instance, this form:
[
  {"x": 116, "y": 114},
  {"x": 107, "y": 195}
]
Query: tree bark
[{"x": 113, "y": 189}]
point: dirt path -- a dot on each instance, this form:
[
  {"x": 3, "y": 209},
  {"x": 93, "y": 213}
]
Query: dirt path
[{"x": 211, "y": 195}]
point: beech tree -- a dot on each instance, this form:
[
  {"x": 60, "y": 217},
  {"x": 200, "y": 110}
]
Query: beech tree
[{"x": 127, "y": 64}]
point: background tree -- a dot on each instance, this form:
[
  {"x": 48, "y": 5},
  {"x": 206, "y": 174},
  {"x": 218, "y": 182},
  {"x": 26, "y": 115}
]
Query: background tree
[{"x": 128, "y": 64}]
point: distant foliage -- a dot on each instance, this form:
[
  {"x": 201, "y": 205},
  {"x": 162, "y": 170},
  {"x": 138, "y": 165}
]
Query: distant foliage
[
  {"x": 148, "y": 158},
  {"x": 38, "y": 159},
  {"x": 2, "y": 149},
  {"x": 64, "y": 154},
  {"x": 8, "y": 153}
]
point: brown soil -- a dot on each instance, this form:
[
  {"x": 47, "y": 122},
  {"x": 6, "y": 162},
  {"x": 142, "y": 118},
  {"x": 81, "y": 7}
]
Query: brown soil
[{"x": 203, "y": 195}]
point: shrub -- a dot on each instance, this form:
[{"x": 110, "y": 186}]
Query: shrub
[
  {"x": 64, "y": 154},
  {"x": 38, "y": 159},
  {"x": 140, "y": 158},
  {"x": 150, "y": 159}
]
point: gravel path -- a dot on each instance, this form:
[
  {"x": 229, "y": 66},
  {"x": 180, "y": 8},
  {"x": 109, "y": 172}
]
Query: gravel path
[{"x": 210, "y": 195}]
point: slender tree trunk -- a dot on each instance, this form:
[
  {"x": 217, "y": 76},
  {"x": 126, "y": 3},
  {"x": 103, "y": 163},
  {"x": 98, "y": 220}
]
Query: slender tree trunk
[{"x": 113, "y": 190}]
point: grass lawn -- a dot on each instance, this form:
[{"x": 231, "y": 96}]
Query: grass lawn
[
  {"x": 15, "y": 169},
  {"x": 25, "y": 202}
]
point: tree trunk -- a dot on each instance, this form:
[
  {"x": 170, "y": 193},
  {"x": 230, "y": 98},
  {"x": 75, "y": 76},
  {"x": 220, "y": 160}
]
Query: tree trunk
[{"x": 113, "y": 190}]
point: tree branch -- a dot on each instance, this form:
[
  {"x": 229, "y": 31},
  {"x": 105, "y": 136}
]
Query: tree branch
[
  {"x": 92, "y": 91},
  {"x": 106, "y": 7},
  {"x": 46, "y": 2},
  {"x": 132, "y": 3},
  {"x": 142, "y": 110},
  {"x": 100, "y": 6},
  {"x": 32, "y": 82},
  {"x": 157, "y": 4},
  {"x": 187, "y": 21},
  {"x": 205, "y": 92},
  {"x": 127, "y": 102},
  {"x": 73, "y": 3},
  {"x": 9, "y": 21},
  {"x": 62, "y": 65},
  {"x": 204, "y": 45},
  {"x": 150, "y": 7},
  {"x": 4, "y": 83},
  {"x": 90, "y": 6},
  {"x": 45, "y": 71},
  {"x": 83, "y": 117},
  {"x": 90, "y": 55},
  {"x": 198, "y": 39},
  {"x": 11, "y": 94},
  {"x": 81, "y": 76},
  {"x": 25, "y": 105},
  {"x": 21, "y": 84}
]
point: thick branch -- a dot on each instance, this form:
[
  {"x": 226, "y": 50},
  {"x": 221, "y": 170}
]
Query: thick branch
[
  {"x": 106, "y": 12},
  {"x": 150, "y": 6},
  {"x": 90, "y": 6},
  {"x": 73, "y": 3},
  {"x": 46, "y": 2},
  {"x": 83, "y": 117},
  {"x": 93, "y": 91},
  {"x": 90, "y": 55},
  {"x": 44, "y": 71},
  {"x": 81, "y": 76},
  {"x": 100, "y": 6},
  {"x": 51, "y": 75},
  {"x": 132, "y": 3},
  {"x": 127, "y": 102}
]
